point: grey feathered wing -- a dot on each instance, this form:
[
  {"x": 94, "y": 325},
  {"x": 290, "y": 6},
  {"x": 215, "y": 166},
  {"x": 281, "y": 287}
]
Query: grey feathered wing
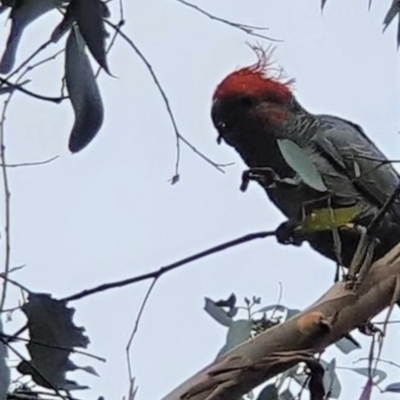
[{"x": 352, "y": 153}]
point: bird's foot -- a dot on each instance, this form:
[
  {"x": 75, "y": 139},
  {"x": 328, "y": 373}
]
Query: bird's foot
[
  {"x": 289, "y": 232},
  {"x": 265, "y": 176},
  {"x": 369, "y": 329},
  {"x": 362, "y": 259},
  {"x": 352, "y": 281}
]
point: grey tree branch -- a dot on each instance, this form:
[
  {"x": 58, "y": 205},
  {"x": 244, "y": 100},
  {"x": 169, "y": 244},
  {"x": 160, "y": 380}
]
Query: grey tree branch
[{"x": 335, "y": 314}]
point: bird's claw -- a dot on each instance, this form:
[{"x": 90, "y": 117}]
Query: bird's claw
[
  {"x": 288, "y": 232},
  {"x": 362, "y": 259},
  {"x": 369, "y": 329},
  {"x": 265, "y": 176},
  {"x": 352, "y": 281}
]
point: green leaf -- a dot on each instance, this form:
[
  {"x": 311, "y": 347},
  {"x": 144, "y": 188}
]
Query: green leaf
[
  {"x": 326, "y": 219},
  {"x": 239, "y": 332},
  {"x": 217, "y": 312}
]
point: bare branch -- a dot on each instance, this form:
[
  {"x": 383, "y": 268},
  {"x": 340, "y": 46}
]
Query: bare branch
[{"x": 157, "y": 273}]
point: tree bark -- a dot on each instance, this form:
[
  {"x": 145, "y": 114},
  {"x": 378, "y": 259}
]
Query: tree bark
[{"x": 335, "y": 314}]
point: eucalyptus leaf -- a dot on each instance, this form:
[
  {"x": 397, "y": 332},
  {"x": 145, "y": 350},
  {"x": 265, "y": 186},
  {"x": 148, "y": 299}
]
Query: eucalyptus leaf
[
  {"x": 64, "y": 26},
  {"x": 300, "y": 162},
  {"x": 50, "y": 323},
  {"x": 393, "y": 11},
  {"x": 291, "y": 313},
  {"x": 346, "y": 346},
  {"x": 22, "y": 14},
  {"x": 89, "y": 15},
  {"x": 238, "y": 332},
  {"x": 377, "y": 373},
  {"x": 83, "y": 92},
  {"x": 393, "y": 388},
  {"x": 286, "y": 395},
  {"x": 331, "y": 381},
  {"x": 217, "y": 312},
  {"x": 5, "y": 374},
  {"x": 269, "y": 392}
]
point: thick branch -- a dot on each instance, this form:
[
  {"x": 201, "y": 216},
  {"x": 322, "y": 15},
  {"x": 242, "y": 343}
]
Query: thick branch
[{"x": 336, "y": 313}]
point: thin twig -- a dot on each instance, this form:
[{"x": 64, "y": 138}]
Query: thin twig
[
  {"x": 381, "y": 360},
  {"x": 43, "y": 61},
  {"x": 384, "y": 322},
  {"x": 35, "y": 395},
  {"x": 4, "y": 170},
  {"x": 384, "y": 209},
  {"x": 13, "y": 282},
  {"x": 10, "y": 310},
  {"x": 21, "y": 89},
  {"x": 30, "y": 58},
  {"x": 6, "y": 201},
  {"x": 12, "y": 338},
  {"x": 178, "y": 135},
  {"x": 18, "y": 354},
  {"x": 136, "y": 327},
  {"x": 19, "y": 331},
  {"x": 31, "y": 163},
  {"x": 249, "y": 29},
  {"x": 157, "y": 273},
  {"x": 13, "y": 269}
]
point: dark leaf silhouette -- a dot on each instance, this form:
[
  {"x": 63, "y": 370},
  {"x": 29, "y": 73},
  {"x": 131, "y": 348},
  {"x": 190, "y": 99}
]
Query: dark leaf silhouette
[
  {"x": 229, "y": 302},
  {"x": 217, "y": 312},
  {"x": 393, "y": 387},
  {"x": 22, "y": 14},
  {"x": 83, "y": 92},
  {"x": 64, "y": 26},
  {"x": 347, "y": 344},
  {"x": 394, "y": 11},
  {"x": 269, "y": 392},
  {"x": 330, "y": 380},
  {"x": 89, "y": 15},
  {"x": 316, "y": 383},
  {"x": 53, "y": 336},
  {"x": 5, "y": 375}
]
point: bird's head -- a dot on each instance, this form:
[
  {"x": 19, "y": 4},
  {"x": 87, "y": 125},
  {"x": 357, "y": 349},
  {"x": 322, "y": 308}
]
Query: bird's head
[{"x": 254, "y": 100}]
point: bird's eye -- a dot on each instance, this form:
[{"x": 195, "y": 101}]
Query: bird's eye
[
  {"x": 221, "y": 125},
  {"x": 247, "y": 101}
]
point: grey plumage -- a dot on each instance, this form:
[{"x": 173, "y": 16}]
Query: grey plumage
[{"x": 353, "y": 169}]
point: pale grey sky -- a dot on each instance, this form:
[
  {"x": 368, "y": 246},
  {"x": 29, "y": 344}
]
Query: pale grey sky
[{"x": 109, "y": 212}]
